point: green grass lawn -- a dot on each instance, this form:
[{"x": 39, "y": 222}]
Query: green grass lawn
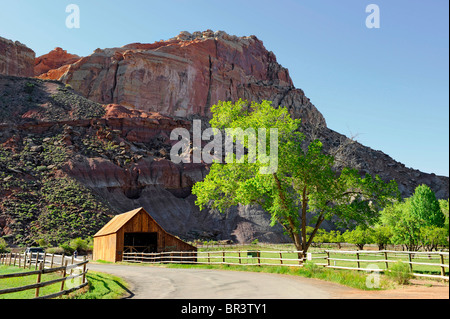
[
  {"x": 101, "y": 286},
  {"x": 26, "y": 280}
]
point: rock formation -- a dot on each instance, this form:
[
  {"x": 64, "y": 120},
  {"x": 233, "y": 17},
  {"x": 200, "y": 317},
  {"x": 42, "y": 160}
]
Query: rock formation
[
  {"x": 16, "y": 58},
  {"x": 186, "y": 75},
  {"x": 53, "y": 60}
]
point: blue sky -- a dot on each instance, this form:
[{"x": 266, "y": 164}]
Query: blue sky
[{"x": 388, "y": 86}]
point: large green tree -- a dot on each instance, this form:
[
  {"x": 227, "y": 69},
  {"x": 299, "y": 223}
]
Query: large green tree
[{"x": 302, "y": 182}]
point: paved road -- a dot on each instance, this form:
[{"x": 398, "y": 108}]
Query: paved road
[{"x": 149, "y": 282}]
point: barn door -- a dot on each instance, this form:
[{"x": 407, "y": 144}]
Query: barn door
[{"x": 140, "y": 242}]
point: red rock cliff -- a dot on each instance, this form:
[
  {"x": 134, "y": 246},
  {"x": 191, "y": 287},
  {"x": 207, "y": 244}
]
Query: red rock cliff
[
  {"x": 15, "y": 58},
  {"x": 186, "y": 75},
  {"x": 53, "y": 60}
]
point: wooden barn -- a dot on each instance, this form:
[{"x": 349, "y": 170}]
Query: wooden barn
[{"x": 134, "y": 231}]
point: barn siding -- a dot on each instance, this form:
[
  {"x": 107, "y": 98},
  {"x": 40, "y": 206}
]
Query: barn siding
[{"x": 104, "y": 248}]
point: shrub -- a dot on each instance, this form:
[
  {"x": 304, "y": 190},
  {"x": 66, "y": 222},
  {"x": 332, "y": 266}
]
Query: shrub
[
  {"x": 3, "y": 246},
  {"x": 79, "y": 245},
  {"x": 400, "y": 273},
  {"x": 68, "y": 250}
]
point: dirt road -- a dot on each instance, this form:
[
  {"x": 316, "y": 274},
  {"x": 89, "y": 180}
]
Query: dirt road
[{"x": 160, "y": 283}]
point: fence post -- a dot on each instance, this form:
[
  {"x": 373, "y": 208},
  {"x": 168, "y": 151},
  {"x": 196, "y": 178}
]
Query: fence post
[
  {"x": 386, "y": 258},
  {"x": 36, "y": 294},
  {"x": 63, "y": 275},
  {"x": 328, "y": 258},
  {"x": 37, "y": 260},
  {"x": 281, "y": 258},
  {"x": 223, "y": 256},
  {"x": 442, "y": 263},
  {"x": 357, "y": 258},
  {"x": 258, "y": 254},
  {"x": 51, "y": 262},
  {"x": 24, "y": 260},
  {"x": 410, "y": 260},
  {"x": 84, "y": 270}
]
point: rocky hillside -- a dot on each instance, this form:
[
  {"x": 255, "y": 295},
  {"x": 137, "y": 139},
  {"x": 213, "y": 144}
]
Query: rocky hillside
[{"x": 89, "y": 137}]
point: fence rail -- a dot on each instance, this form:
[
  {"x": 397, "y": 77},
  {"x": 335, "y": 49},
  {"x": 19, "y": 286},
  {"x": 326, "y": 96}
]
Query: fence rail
[
  {"x": 224, "y": 257},
  {"x": 296, "y": 258},
  {"x": 394, "y": 256},
  {"x": 45, "y": 264}
]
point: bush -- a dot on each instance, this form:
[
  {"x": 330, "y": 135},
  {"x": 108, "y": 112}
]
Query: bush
[
  {"x": 67, "y": 249},
  {"x": 400, "y": 273},
  {"x": 3, "y": 246},
  {"x": 80, "y": 245},
  {"x": 55, "y": 250}
]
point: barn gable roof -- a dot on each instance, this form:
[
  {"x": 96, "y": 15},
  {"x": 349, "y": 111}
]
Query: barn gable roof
[{"x": 118, "y": 221}]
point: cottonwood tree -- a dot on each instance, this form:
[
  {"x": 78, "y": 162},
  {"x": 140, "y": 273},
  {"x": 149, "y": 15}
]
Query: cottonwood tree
[{"x": 304, "y": 181}]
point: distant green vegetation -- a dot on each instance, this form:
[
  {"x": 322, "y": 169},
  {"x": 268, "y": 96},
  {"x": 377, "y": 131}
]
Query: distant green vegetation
[{"x": 43, "y": 205}]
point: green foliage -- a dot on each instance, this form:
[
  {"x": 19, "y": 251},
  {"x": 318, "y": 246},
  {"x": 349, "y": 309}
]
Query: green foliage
[
  {"x": 81, "y": 245},
  {"x": 360, "y": 236},
  {"x": 3, "y": 246},
  {"x": 425, "y": 207},
  {"x": 381, "y": 235},
  {"x": 304, "y": 181},
  {"x": 444, "y": 208},
  {"x": 416, "y": 221},
  {"x": 400, "y": 273},
  {"x": 29, "y": 87}
]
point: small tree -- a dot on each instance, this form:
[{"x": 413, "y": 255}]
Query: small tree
[
  {"x": 360, "y": 236},
  {"x": 425, "y": 207},
  {"x": 444, "y": 208},
  {"x": 381, "y": 236},
  {"x": 431, "y": 237},
  {"x": 335, "y": 236},
  {"x": 3, "y": 246}
]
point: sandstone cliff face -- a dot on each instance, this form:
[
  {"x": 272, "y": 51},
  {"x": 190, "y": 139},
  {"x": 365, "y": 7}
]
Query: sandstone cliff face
[
  {"x": 53, "y": 60},
  {"x": 15, "y": 58},
  {"x": 186, "y": 75}
]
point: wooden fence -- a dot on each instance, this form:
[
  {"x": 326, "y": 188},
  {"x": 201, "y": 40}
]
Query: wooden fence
[
  {"x": 44, "y": 264},
  {"x": 291, "y": 258},
  {"x": 385, "y": 257},
  {"x": 224, "y": 257}
]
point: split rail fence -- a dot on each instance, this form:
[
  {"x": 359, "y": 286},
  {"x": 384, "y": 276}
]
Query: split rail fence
[
  {"x": 224, "y": 257},
  {"x": 69, "y": 268},
  {"x": 432, "y": 264},
  {"x": 435, "y": 262}
]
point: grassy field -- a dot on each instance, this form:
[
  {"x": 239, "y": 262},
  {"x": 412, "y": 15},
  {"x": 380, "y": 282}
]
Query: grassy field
[
  {"x": 26, "y": 280},
  {"x": 101, "y": 286}
]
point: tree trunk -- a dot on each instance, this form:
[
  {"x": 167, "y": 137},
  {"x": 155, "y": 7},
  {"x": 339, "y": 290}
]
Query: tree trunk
[{"x": 304, "y": 206}]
